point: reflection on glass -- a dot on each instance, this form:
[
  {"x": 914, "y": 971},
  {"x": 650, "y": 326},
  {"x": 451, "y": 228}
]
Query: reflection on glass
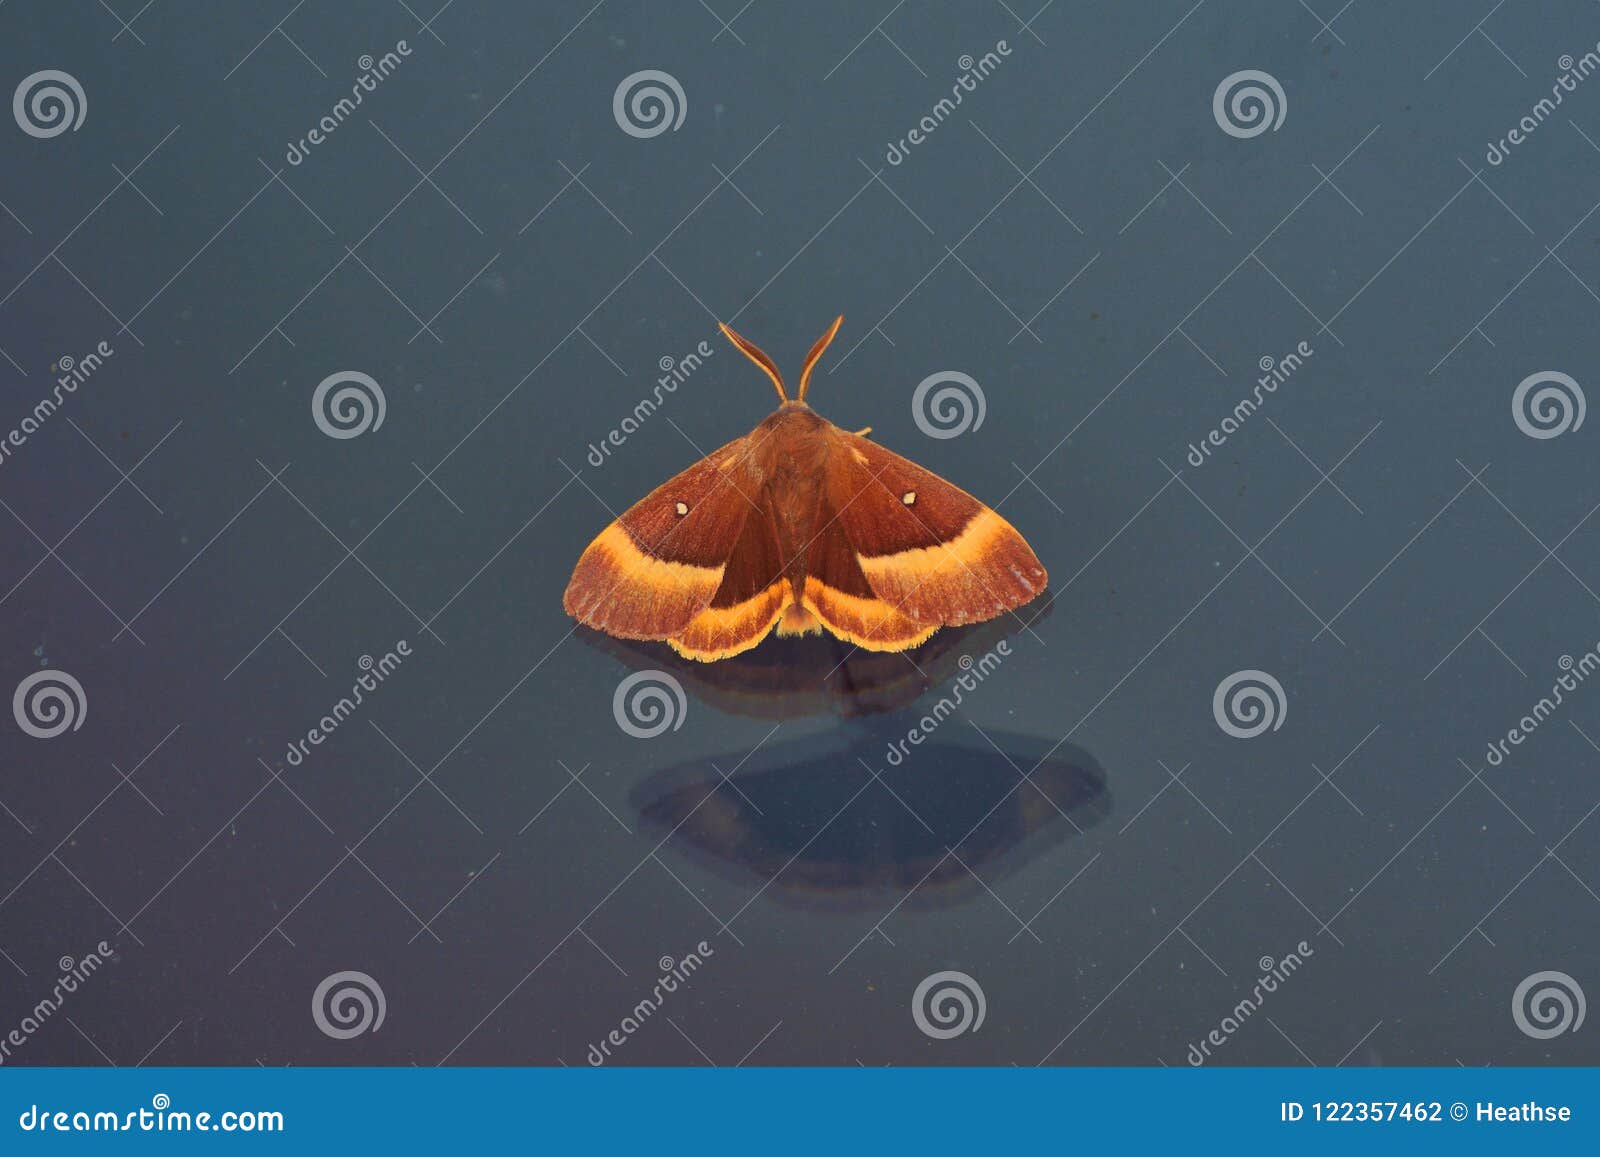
[{"x": 829, "y": 822}]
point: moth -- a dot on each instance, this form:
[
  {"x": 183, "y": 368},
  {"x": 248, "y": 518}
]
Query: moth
[{"x": 803, "y": 527}]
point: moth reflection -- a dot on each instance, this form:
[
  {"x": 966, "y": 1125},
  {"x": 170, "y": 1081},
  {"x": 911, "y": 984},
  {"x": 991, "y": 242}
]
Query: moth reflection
[{"x": 811, "y": 825}]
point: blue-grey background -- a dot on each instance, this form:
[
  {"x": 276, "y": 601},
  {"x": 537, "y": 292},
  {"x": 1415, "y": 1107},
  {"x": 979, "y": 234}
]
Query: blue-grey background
[{"x": 1080, "y": 237}]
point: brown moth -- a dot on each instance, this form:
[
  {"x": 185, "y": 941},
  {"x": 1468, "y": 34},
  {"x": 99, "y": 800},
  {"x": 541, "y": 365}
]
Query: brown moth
[{"x": 801, "y": 526}]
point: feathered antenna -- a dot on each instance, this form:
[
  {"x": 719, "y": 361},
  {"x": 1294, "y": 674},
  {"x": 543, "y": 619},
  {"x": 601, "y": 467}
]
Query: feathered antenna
[
  {"x": 815, "y": 354},
  {"x": 754, "y": 353}
]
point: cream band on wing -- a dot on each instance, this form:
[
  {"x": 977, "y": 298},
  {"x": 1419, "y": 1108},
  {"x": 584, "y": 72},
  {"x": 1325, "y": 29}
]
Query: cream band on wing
[
  {"x": 722, "y": 632},
  {"x": 629, "y": 591},
  {"x": 919, "y": 563},
  {"x": 868, "y": 623},
  {"x": 985, "y": 570}
]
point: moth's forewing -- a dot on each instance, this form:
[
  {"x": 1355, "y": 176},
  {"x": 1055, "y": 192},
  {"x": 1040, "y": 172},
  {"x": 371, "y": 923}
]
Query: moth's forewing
[
  {"x": 649, "y": 573},
  {"x": 749, "y": 600},
  {"x": 925, "y": 547}
]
